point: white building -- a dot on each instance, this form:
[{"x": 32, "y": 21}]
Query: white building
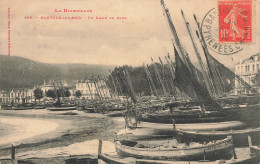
[
  {"x": 21, "y": 96},
  {"x": 91, "y": 90},
  {"x": 247, "y": 70},
  {"x": 51, "y": 85},
  {"x": 4, "y": 96}
]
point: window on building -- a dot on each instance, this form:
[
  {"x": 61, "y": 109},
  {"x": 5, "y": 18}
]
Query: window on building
[
  {"x": 248, "y": 68},
  {"x": 253, "y": 67},
  {"x": 242, "y": 69},
  {"x": 257, "y": 66}
]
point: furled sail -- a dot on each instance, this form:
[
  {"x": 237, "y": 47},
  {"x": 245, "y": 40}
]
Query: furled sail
[{"x": 187, "y": 83}]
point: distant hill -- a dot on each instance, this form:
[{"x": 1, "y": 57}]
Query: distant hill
[{"x": 18, "y": 72}]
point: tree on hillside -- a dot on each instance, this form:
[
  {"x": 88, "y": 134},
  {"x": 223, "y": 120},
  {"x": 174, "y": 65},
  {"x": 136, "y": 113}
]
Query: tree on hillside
[
  {"x": 38, "y": 94},
  {"x": 78, "y": 94},
  {"x": 50, "y": 93}
]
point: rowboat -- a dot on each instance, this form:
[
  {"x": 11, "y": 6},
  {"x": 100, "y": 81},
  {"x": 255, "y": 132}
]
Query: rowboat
[
  {"x": 165, "y": 149},
  {"x": 240, "y": 137},
  {"x": 112, "y": 159},
  {"x": 21, "y": 107},
  {"x": 255, "y": 151},
  {"x": 62, "y": 108},
  {"x": 182, "y": 117},
  {"x": 146, "y": 128},
  {"x": 247, "y": 113}
]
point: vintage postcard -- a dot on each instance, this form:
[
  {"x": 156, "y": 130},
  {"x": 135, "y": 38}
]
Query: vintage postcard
[{"x": 129, "y": 81}]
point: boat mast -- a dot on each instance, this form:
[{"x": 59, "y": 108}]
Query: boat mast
[
  {"x": 159, "y": 78},
  {"x": 211, "y": 66},
  {"x": 174, "y": 33},
  {"x": 89, "y": 90},
  {"x": 207, "y": 54},
  {"x": 164, "y": 80},
  {"x": 133, "y": 97},
  {"x": 97, "y": 89},
  {"x": 113, "y": 81},
  {"x": 171, "y": 71},
  {"x": 101, "y": 88},
  {"x": 119, "y": 86},
  {"x": 150, "y": 80},
  {"x": 202, "y": 67}
]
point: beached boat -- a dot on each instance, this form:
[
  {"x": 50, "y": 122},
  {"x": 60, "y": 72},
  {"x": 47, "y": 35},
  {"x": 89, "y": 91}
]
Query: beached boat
[
  {"x": 184, "y": 116},
  {"x": 247, "y": 113},
  {"x": 21, "y": 107},
  {"x": 255, "y": 151},
  {"x": 112, "y": 159},
  {"x": 62, "y": 108},
  {"x": 244, "y": 112},
  {"x": 166, "y": 149},
  {"x": 6, "y": 107},
  {"x": 145, "y": 128},
  {"x": 39, "y": 107},
  {"x": 240, "y": 137}
]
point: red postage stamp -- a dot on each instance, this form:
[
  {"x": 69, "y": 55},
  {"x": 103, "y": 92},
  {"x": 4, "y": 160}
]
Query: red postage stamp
[{"x": 235, "y": 21}]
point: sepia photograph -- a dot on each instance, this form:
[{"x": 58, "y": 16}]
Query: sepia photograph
[{"x": 129, "y": 81}]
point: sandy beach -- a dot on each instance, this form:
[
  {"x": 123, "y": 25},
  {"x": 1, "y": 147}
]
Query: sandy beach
[{"x": 62, "y": 134}]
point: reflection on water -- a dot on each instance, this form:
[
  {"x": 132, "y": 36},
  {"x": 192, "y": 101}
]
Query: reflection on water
[{"x": 13, "y": 130}]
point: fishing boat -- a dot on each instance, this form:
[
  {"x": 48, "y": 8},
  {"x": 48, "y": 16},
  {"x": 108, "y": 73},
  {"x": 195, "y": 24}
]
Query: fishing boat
[
  {"x": 255, "y": 151},
  {"x": 166, "y": 149},
  {"x": 244, "y": 112},
  {"x": 155, "y": 130},
  {"x": 184, "y": 116},
  {"x": 89, "y": 109},
  {"x": 62, "y": 108},
  {"x": 21, "y": 107},
  {"x": 114, "y": 159},
  {"x": 24, "y": 106},
  {"x": 38, "y": 106},
  {"x": 6, "y": 107},
  {"x": 145, "y": 128},
  {"x": 240, "y": 137}
]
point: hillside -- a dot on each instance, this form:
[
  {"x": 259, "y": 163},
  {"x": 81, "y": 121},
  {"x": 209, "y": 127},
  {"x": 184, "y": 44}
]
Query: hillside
[{"x": 18, "y": 72}]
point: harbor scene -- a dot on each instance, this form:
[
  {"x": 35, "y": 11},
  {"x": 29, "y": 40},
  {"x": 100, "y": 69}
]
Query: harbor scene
[{"x": 162, "y": 89}]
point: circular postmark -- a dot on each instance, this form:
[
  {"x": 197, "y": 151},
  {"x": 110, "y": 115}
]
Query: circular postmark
[{"x": 210, "y": 33}]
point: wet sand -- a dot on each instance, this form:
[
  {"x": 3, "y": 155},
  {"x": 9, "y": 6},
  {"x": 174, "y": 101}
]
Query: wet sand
[{"x": 72, "y": 127}]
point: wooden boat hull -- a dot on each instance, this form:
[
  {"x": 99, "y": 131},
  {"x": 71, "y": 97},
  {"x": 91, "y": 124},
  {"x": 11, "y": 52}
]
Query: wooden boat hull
[
  {"x": 184, "y": 117},
  {"x": 117, "y": 160},
  {"x": 249, "y": 114},
  {"x": 21, "y": 108},
  {"x": 221, "y": 149},
  {"x": 255, "y": 151},
  {"x": 62, "y": 108},
  {"x": 145, "y": 128},
  {"x": 89, "y": 110},
  {"x": 38, "y": 107},
  {"x": 240, "y": 137}
]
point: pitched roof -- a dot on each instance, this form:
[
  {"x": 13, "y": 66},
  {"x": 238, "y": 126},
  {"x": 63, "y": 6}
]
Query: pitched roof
[{"x": 252, "y": 58}]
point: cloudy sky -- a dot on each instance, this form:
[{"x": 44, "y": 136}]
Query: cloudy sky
[{"x": 144, "y": 34}]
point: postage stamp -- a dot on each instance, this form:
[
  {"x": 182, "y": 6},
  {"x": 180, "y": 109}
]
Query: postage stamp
[
  {"x": 235, "y": 21},
  {"x": 210, "y": 32}
]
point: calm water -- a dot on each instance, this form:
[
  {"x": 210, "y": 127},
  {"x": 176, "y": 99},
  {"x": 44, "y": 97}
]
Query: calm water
[{"x": 14, "y": 130}]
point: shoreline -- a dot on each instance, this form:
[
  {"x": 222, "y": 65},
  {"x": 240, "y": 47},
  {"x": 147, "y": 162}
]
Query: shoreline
[{"x": 83, "y": 127}]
